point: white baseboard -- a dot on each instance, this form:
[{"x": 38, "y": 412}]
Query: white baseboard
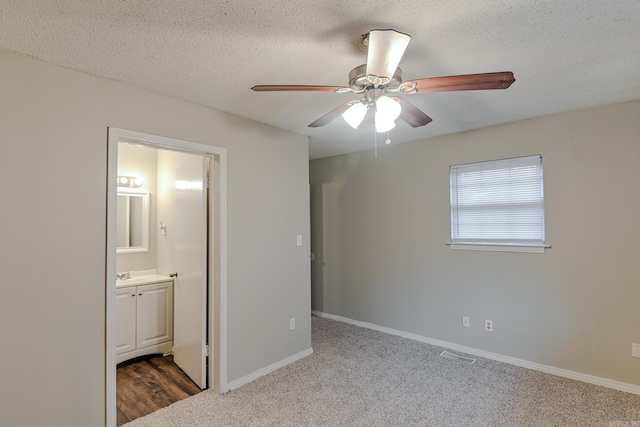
[
  {"x": 605, "y": 382},
  {"x": 267, "y": 370}
]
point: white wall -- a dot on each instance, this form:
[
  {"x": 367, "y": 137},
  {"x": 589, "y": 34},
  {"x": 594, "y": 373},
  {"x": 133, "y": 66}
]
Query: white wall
[
  {"x": 52, "y": 297},
  {"x": 166, "y": 210},
  {"x": 140, "y": 162},
  {"x": 380, "y": 227}
]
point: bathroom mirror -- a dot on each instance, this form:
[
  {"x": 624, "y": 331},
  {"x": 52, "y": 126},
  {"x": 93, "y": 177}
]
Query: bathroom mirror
[{"x": 132, "y": 221}]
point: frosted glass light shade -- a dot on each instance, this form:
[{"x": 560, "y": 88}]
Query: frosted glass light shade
[
  {"x": 354, "y": 115},
  {"x": 389, "y": 108},
  {"x": 383, "y": 123}
]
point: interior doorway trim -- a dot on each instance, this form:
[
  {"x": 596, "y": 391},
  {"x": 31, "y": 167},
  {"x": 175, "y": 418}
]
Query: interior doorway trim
[{"x": 217, "y": 365}]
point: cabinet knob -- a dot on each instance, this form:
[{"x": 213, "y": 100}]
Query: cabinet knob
[
  {"x": 140, "y": 294},
  {"x": 174, "y": 274},
  {"x": 133, "y": 294}
]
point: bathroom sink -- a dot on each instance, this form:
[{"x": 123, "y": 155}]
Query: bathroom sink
[{"x": 141, "y": 280}]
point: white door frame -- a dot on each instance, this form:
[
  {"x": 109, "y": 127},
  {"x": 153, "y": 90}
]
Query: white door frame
[{"x": 217, "y": 282}]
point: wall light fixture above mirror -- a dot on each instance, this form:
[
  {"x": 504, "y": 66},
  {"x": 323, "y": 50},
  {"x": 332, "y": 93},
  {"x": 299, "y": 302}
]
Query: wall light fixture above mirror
[{"x": 130, "y": 181}]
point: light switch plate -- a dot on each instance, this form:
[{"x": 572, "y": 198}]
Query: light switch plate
[{"x": 299, "y": 239}]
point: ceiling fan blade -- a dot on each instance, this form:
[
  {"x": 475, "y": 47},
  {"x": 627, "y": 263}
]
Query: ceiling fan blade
[
  {"x": 331, "y": 115},
  {"x": 275, "y": 88},
  {"x": 499, "y": 80},
  {"x": 385, "y": 51},
  {"x": 412, "y": 114}
]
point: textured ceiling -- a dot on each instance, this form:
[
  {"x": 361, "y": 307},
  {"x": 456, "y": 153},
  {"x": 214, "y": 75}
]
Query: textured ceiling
[{"x": 565, "y": 54}]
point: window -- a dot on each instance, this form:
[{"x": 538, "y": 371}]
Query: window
[{"x": 498, "y": 203}]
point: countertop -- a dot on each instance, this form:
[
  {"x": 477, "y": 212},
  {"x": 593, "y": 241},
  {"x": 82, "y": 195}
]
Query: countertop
[{"x": 142, "y": 280}]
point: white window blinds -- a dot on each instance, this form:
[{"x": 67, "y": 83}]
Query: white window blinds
[{"x": 499, "y": 202}]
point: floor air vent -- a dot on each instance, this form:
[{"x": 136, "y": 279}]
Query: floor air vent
[{"x": 452, "y": 356}]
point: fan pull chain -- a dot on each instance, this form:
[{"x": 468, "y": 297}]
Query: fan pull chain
[{"x": 375, "y": 142}]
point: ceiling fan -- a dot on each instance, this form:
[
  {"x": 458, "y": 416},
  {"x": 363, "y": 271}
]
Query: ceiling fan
[{"x": 380, "y": 77}]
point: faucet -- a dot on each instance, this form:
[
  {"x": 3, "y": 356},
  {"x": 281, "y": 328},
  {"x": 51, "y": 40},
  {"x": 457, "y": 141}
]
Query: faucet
[{"x": 123, "y": 276}]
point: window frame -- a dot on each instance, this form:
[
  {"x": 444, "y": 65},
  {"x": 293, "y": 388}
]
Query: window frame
[{"x": 499, "y": 244}]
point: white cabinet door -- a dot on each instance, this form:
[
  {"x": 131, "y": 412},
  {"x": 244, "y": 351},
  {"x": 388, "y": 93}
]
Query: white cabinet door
[
  {"x": 125, "y": 320},
  {"x": 154, "y": 314}
]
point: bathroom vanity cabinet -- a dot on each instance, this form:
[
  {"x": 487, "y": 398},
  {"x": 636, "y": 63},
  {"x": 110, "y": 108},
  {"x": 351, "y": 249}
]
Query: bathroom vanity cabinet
[{"x": 144, "y": 317}]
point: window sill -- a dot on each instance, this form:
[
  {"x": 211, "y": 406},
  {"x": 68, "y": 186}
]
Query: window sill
[{"x": 497, "y": 248}]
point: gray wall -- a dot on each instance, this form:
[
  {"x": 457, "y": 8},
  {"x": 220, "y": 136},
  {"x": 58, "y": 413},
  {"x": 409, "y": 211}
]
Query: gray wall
[
  {"x": 53, "y": 154},
  {"x": 379, "y": 228}
]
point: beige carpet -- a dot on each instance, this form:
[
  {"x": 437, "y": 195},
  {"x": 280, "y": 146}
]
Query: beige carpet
[{"x": 360, "y": 377}]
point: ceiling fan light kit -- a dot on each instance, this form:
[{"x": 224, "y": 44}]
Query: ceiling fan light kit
[
  {"x": 387, "y": 110},
  {"x": 381, "y": 76}
]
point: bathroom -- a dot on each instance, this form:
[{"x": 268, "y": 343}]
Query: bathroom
[{"x": 161, "y": 259}]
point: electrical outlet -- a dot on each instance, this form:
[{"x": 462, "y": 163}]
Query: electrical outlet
[
  {"x": 292, "y": 324},
  {"x": 488, "y": 325},
  {"x": 465, "y": 321},
  {"x": 635, "y": 350}
]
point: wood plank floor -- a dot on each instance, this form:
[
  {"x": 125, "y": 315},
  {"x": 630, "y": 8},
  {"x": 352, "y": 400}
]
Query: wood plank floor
[{"x": 147, "y": 384}]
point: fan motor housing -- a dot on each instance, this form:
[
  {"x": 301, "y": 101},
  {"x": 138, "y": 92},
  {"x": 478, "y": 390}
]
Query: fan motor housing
[{"x": 358, "y": 79}]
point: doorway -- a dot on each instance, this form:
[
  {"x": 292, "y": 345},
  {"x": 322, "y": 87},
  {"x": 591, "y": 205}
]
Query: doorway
[{"x": 209, "y": 273}]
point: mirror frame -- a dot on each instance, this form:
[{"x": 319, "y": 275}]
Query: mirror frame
[{"x": 145, "y": 221}]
